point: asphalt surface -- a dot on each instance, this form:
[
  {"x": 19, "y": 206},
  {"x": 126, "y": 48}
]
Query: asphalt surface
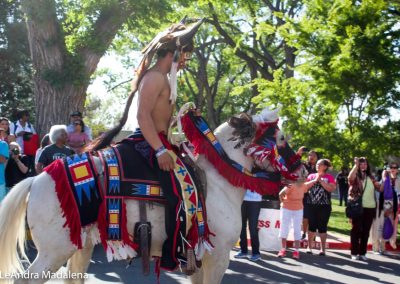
[{"x": 335, "y": 267}]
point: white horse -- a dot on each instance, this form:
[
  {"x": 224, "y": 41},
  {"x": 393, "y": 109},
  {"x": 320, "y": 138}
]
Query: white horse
[{"x": 36, "y": 197}]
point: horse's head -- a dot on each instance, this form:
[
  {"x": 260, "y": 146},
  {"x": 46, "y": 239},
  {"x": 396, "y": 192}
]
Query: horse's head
[{"x": 271, "y": 148}]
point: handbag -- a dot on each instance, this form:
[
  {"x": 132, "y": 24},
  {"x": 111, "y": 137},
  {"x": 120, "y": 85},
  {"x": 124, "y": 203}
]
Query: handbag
[{"x": 354, "y": 208}]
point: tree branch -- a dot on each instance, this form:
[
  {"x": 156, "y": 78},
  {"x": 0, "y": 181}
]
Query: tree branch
[{"x": 110, "y": 20}]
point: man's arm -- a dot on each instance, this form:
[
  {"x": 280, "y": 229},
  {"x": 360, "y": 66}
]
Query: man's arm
[
  {"x": 41, "y": 162},
  {"x": 149, "y": 90},
  {"x": 39, "y": 168}
]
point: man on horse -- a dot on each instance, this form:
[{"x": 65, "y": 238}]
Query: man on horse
[
  {"x": 157, "y": 88},
  {"x": 156, "y": 104}
]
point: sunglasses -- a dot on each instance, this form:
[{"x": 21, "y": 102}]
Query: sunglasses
[
  {"x": 394, "y": 167},
  {"x": 77, "y": 124}
]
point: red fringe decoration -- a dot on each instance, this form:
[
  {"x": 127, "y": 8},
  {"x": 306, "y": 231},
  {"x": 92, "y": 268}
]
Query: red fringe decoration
[
  {"x": 157, "y": 268},
  {"x": 124, "y": 231},
  {"x": 233, "y": 175},
  {"x": 68, "y": 206},
  {"x": 102, "y": 223},
  {"x": 293, "y": 159}
]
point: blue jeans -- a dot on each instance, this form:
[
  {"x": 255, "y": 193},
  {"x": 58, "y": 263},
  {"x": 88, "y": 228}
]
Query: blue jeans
[{"x": 250, "y": 212}]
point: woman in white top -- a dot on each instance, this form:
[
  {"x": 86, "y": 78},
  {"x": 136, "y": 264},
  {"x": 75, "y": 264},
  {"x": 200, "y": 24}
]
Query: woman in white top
[{"x": 250, "y": 211}]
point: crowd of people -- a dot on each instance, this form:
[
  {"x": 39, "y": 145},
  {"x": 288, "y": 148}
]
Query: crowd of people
[
  {"x": 306, "y": 207},
  {"x": 21, "y": 155}
]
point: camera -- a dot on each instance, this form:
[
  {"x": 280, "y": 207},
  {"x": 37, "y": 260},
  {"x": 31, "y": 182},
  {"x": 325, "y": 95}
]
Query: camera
[
  {"x": 305, "y": 149},
  {"x": 15, "y": 151}
]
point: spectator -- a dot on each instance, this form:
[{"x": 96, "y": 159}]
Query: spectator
[
  {"x": 311, "y": 167},
  {"x": 17, "y": 166},
  {"x": 343, "y": 185},
  {"x": 362, "y": 185},
  {"x": 58, "y": 136},
  {"x": 250, "y": 211},
  {"x": 291, "y": 214},
  {"x": 388, "y": 206},
  {"x": 320, "y": 186},
  {"x": 4, "y": 154},
  {"x": 5, "y": 131},
  {"x": 23, "y": 131},
  {"x": 45, "y": 141},
  {"x": 78, "y": 138},
  {"x": 77, "y": 115}
]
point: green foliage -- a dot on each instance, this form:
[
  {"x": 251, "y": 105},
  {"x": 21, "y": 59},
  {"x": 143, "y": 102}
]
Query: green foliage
[
  {"x": 15, "y": 68},
  {"x": 346, "y": 83}
]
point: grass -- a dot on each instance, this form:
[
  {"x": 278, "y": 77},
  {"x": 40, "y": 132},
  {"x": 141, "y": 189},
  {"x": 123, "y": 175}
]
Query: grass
[{"x": 339, "y": 223}]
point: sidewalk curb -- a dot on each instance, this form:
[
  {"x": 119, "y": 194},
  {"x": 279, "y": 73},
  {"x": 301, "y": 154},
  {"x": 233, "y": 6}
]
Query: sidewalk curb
[{"x": 330, "y": 245}]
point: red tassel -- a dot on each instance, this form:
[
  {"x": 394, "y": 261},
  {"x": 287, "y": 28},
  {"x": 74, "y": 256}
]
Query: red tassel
[
  {"x": 125, "y": 235},
  {"x": 157, "y": 268},
  {"x": 68, "y": 206},
  {"x": 233, "y": 175}
]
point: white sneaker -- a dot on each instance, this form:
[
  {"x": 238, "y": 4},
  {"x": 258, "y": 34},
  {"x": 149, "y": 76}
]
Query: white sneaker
[
  {"x": 355, "y": 257},
  {"x": 363, "y": 257}
]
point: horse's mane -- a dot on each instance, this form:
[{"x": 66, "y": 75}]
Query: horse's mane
[{"x": 244, "y": 129}]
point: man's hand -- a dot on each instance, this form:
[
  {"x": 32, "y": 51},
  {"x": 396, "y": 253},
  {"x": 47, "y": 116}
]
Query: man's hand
[{"x": 165, "y": 162}]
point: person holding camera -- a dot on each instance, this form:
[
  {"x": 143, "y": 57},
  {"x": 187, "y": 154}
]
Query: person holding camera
[
  {"x": 17, "y": 166},
  {"x": 362, "y": 185}
]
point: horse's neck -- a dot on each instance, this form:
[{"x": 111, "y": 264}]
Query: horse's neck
[{"x": 218, "y": 188}]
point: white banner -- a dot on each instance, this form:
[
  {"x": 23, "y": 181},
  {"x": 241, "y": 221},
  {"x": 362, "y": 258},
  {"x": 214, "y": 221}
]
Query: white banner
[{"x": 269, "y": 224}]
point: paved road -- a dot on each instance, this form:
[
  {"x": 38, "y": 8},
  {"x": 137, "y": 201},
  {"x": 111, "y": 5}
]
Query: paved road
[{"x": 335, "y": 267}]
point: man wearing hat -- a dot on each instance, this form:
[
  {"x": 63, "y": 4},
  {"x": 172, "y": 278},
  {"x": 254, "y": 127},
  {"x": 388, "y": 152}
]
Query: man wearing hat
[
  {"x": 156, "y": 104},
  {"x": 157, "y": 87},
  {"x": 74, "y": 116}
]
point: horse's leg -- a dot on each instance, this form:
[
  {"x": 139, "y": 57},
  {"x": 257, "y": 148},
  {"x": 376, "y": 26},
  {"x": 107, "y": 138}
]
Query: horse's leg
[
  {"x": 80, "y": 260},
  {"x": 197, "y": 278},
  {"x": 215, "y": 265},
  {"x": 224, "y": 219},
  {"x": 46, "y": 223},
  {"x": 46, "y": 263}
]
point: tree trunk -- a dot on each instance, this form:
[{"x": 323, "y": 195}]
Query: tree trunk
[{"x": 62, "y": 76}]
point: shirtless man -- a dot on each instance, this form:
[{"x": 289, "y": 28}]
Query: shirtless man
[
  {"x": 155, "y": 110},
  {"x": 154, "y": 105}
]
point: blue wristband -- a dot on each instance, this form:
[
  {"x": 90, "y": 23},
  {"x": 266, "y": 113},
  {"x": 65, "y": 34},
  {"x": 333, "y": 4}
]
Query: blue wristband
[{"x": 161, "y": 151}]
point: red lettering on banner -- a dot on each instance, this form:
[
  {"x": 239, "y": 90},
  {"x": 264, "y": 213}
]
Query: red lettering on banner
[
  {"x": 277, "y": 224},
  {"x": 263, "y": 224}
]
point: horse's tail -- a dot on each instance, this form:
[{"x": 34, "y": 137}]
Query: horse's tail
[{"x": 12, "y": 227}]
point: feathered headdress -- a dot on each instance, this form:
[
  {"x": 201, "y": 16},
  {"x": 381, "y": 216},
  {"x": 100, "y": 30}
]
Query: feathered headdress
[{"x": 174, "y": 39}]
